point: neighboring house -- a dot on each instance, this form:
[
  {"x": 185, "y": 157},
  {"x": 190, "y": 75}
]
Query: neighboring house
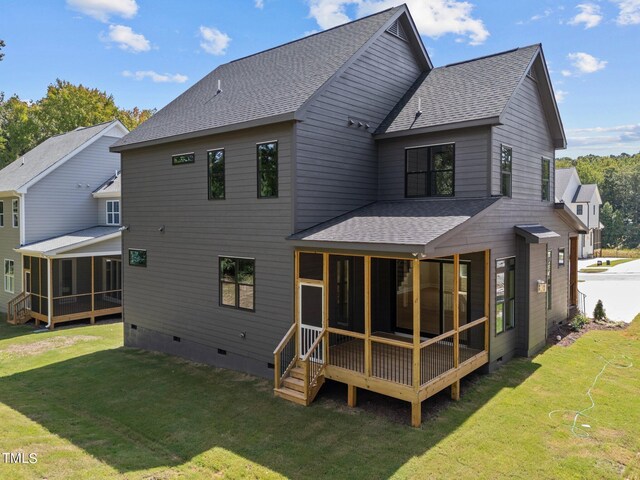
[
  {"x": 60, "y": 228},
  {"x": 373, "y": 219},
  {"x": 584, "y": 201}
]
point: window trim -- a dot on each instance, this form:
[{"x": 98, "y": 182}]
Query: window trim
[
  {"x": 258, "y": 171},
  {"x": 7, "y": 276},
  {"x": 505, "y": 301},
  {"x": 546, "y": 198},
  {"x": 236, "y": 283},
  {"x": 113, "y": 212},
  {"x": 146, "y": 257},
  {"x": 579, "y": 209},
  {"x": 428, "y": 172},
  {"x": 173, "y": 158},
  {"x": 224, "y": 174},
  {"x": 15, "y": 213},
  {"x": 506, "y": 146}
]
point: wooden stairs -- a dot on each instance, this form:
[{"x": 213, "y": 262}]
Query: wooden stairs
[
  {"x": 298, "y": 378},
  {"x": 18, "y": 309}
]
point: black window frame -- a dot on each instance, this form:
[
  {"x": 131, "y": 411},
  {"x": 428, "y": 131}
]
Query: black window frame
[
  {"x": 219, "y": 176},
  {"x": 545, "y": 181},
  {"x": 509, "y": 270},
  {"x": 579, "y": 210},
  {"x": 430, "y": 173},
  {"x": 504, "y": 172},
  {"x": 190, "y": 157},
  {"x": 146, "y": 258},
  {"x": 259, "y": 170},
  {"x": 561, "y": 257},
  {"x": 236, "y": 283}
]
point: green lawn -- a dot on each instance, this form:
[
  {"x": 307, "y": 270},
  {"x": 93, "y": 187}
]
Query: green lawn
[
  {"x": 612, "y": 264},
  {"x": 92, "y": 409}
]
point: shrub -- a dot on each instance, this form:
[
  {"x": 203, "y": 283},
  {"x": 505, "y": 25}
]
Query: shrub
[
  {"x": 578, "y": 322},
  {"x": 599, "y": 313}
]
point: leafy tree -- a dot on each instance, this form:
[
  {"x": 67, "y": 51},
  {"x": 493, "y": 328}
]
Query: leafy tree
[
  {"x": 134, "y": 117},
  {"x": 19, "y": 131},
  {"x": 2, "y": 45}
]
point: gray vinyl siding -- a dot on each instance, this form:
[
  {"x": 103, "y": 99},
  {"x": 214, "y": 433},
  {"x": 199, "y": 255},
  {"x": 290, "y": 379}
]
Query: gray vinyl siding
[
  {"x": 62, "y": 202},
  {"x": 9, "y": 239},
  {"x": 471, "y": 158},
  {"x": 102, "y": 210},
  {"x": 177, "y": 293},
  {"x": 336, "y": 168},
  {"x": 525, "y": 130},
  {"x": 107, "y": 246},
  {"x": 495, "y": 231}
]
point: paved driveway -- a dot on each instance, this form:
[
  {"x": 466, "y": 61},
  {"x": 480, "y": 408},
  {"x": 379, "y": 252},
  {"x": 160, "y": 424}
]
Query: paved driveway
[{"x": 618, "y": 288}]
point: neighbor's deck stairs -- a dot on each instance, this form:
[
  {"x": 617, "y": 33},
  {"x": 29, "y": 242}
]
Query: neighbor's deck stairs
[{"x": 18, "y": 309}]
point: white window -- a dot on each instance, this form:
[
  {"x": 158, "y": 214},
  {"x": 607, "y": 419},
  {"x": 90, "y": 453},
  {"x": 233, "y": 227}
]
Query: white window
[
  {"x": 9, "y": 276},
  {"x": 15, "y": 216},
  {"x": 113, "y": 212},
  {"x": 1, "y": 213}
]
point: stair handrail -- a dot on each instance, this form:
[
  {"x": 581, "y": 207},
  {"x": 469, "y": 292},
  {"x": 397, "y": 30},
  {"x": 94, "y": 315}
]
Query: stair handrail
[
  {"x": 278, "y": 376},
  {"x": 12, "y": 306},
  {"x": 312, "y": 369},
  {"x": 582, "y": 302}
]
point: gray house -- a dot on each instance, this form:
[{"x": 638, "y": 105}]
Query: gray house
[
  {"x": 337, "y": 208},
  {"x": 60, "y": 228}
]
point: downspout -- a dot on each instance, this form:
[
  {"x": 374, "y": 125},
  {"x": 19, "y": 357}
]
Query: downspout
[{"x": 49, "y": 293}]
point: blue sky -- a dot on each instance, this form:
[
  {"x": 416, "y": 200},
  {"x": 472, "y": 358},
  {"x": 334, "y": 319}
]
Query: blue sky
[{"x": 146, "y": 52}]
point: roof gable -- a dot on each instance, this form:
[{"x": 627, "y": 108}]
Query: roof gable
[
  {"x": 19, "y": 175},
  {"x": 267, "y": 87}
]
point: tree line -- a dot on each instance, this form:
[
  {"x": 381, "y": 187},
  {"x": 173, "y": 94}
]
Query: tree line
[
  {"x": 618, "y": 179},
  {"x": 24, "y": 124}
]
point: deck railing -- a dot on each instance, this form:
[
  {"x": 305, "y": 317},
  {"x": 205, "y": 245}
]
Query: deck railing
[
  {"x": 313, "y": 365},
  {"x": 86, "y": 302},
  {"x": 18, "y": 307},
  {"x": 392, "y": 360},
  {"x": 285, "y": 355},
  {"x": 346, "y": 350},
  {"x": 436, "y": 356}
]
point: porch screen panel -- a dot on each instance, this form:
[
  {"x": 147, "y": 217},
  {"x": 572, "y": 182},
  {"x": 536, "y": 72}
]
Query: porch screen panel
[
  {"x": 447, "y": 296},
  {"x": 83, "y": 275},
  {"x": 346, "y": 292},
  {"x": 382, "y": 295},
  {"x": 430, "y": 297},
  {"x": 404, "y": 295},
  {"x": 310, "y": 266},
  {"x": 311, "y": 305}
]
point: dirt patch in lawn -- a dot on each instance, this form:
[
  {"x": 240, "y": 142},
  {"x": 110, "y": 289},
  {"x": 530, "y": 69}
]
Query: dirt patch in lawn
[
  {"x": 35, "y": 348},
  {"x": 567, "y": 336}
]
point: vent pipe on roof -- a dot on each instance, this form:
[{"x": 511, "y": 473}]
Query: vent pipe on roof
[
  {"x": 419, "y": 112},
  {"x": 219, "y": 87}
]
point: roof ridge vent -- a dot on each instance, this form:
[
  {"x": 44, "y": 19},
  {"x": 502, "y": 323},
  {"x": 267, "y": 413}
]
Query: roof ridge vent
[{"x": 396, "y": 30}]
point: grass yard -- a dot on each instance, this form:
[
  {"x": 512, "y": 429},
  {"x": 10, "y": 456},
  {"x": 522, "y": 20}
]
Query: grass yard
[
  {"x": 613, "y": 263},
  {"x": 92, "y": 409}
]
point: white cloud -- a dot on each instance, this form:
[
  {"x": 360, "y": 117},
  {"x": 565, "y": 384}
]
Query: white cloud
[
  {"x": 127, "y": 39},
  {"x": 585, "y": 63},
  {"x": 259, "y": 4},
  {"x": 589, "y": 15},
  {"x": 566, "y": 73},
  {"x": 540, "y": 16},
  {"x": 214, "y": 41},
  {"x": 604, "y": 140},
  {"x": 629, "y": 13},
  {"x": 103, "y": 9},
  {"x": 156, "y": 77},
  {"x": 560, "y": 95},
  {"x": 433, "y": 18}
]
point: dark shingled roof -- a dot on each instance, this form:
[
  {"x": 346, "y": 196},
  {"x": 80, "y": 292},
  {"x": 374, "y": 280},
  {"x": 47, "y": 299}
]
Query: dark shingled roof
[
  {"x": 400, "y": 222},
  {"x": 271, "y": 83},
  {"x": 462, "y": 92}
]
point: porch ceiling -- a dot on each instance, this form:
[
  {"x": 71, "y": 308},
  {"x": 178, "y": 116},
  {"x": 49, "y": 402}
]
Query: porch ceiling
[{"x": 402, "y": 225}]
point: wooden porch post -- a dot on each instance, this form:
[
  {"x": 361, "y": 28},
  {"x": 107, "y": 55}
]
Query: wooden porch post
[
  {"x": 487, "y": 272},
  {"x": 367, "y": 316},
  {"x": 93, "y": 291},
  {"x": 325, "y": 289},
  {"x": 352, "y": 392},
  {"x": 296, "y": 276},
  {"x": 455, "y": 387},
  {"x": 416, "y": 405}
]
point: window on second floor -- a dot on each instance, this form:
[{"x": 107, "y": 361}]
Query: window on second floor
[
  {"x": 215, "y": 169},
  {"x": 1, "y": 213},
  {"x": 113, "y": 212},
  {"x": 430, "y": 171},
  {"x": 579, "y": 209},
  {"x": 15, "y": 216},
  {"x": 594, "y": 209},
  {"x": 546, "y": 176},
  {"x": 267, "y": 154},
  {"x": 506, "y": 157}
]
